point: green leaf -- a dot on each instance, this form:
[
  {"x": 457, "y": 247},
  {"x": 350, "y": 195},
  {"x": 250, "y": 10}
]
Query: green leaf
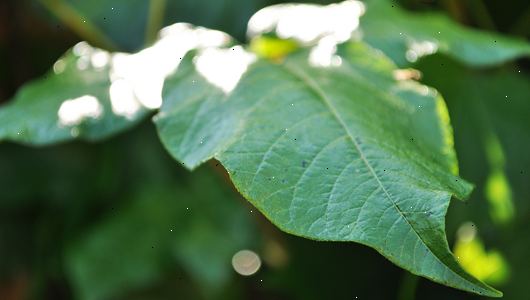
[
  {"x": 71, "y": 101},
  {"x": 91, "y": 94},
  {"x": 164, "y": 229},
  {"x": 407, "y": 36},
  {"x": 324, "y": 148}
]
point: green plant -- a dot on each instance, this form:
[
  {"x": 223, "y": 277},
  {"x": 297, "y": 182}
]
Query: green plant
[{"x": 316, "y": 126}]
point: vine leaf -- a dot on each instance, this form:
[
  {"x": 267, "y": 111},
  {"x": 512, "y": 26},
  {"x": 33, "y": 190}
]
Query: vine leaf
[{"x": 325, "y": 151}]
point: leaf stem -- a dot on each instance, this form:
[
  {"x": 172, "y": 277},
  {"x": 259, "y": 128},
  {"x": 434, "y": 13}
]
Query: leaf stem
[
  {"x": 155, "y": 19},
  {"x": 78, "y": 23},
  {"x": 407, "y": 289}
]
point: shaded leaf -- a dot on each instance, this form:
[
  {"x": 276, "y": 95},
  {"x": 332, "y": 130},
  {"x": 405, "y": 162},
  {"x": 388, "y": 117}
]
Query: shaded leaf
[
  {"x": 163, "y": 231},
  {"x": 407, "y": 36}
]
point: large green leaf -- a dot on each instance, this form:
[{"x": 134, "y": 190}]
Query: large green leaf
[
  {"x": 91, "y": 94},
  {"x": 406, "y": 36},
  {"x": 325, "y": 148}
]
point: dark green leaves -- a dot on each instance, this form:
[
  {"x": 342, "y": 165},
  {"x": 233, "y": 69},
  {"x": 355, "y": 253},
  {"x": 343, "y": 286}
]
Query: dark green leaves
[{"x": 196, "y": 228}]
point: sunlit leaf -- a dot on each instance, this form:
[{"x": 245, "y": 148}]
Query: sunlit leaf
[
  {"x": 91, "y": 94},
  {"x": 489, "y": 266}
]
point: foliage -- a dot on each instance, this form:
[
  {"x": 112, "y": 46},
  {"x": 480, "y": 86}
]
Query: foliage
[{"x": 315, "y": 126}]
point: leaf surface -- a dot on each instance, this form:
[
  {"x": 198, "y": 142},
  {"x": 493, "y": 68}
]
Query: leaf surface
[{"x": 331, "y": 152}]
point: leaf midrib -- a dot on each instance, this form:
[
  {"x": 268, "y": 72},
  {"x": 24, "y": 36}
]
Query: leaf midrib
[{"x": 313, "y": 86}]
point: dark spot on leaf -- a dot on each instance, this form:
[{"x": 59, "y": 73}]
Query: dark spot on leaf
[
  {"x": 284, "y": 181},
  {"x": 304, "y": 163}
]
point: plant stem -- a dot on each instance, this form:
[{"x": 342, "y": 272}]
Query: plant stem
[
  {"x": 155, "y": 19},
  {"x": 78, "y": 23},
  {"x": 407, "y": 289}
]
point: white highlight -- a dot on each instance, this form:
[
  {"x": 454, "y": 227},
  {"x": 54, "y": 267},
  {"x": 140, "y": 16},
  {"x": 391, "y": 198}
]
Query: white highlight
[
  {"x": 417, "y": 50},
  {"x": 147, "y": 69},
  {"x": 122, "y": 99},
  {"x": 246, "y": 262},
  {"x": 224, "y": 67},
  {"x": 74, "y": 111},
  {"x": 308, "y": 23},
  {"x": 323, "y": 54}
]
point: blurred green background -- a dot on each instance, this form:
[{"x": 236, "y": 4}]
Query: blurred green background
[{"x": 122, "y": 220}]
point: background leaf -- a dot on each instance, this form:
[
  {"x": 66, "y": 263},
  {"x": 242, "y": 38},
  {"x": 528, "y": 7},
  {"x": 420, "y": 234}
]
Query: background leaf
[{"x": 406, "y": 36}]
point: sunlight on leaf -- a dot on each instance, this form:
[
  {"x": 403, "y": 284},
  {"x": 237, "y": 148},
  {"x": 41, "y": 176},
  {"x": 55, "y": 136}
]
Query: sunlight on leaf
[
  {"x": 499, "y": 195},
  {"x": 224, "y": 67},
  {"x": 147, "y": 69},
  {"x": 73, "y": 111},
  {"x": 308, "y": 23},
  {"x": 488, "y": 266},
  {"x": 497, "y": 189},
  {"x": 272, "y": 47}
]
